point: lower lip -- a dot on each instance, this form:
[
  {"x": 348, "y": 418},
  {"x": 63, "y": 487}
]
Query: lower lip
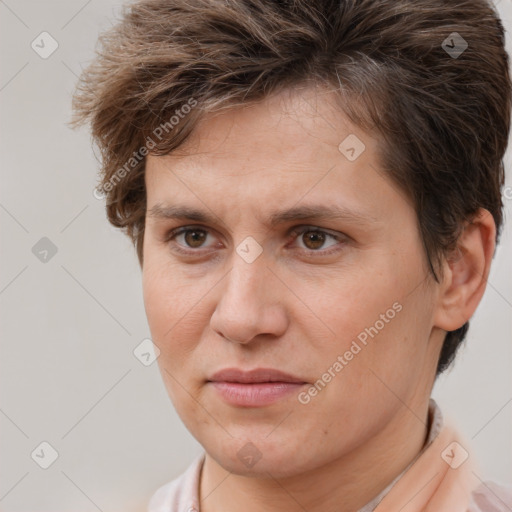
[{"x": 255, "y": 395}]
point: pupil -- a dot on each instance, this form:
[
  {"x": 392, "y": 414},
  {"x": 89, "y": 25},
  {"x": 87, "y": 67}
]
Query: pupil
[
  {"x": 192, "y": 237},
  {"x": 316, "y": 239}
]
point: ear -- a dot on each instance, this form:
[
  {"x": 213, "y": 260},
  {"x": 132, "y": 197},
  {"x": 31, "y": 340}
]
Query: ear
[{"x": 465, "y": 273}]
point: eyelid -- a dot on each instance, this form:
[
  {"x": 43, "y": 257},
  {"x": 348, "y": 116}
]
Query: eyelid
[
  {"x": 295, "y": 231},
  {"x": 299, "y": 230},
  {"x": 173, "y": 233}
]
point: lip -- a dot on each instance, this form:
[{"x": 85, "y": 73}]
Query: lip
[
  {"x": 258, "y": 375},
  {"x": 254, "y": 388}
]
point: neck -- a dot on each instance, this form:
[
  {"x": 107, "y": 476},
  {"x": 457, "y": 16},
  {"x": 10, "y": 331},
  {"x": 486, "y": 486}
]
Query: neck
[{"x": 344, "y": 484}]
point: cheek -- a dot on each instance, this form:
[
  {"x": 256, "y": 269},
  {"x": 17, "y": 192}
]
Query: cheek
[
  {"x": 176, "y": 315},
  {"x": 174, "y": 330},
  {"x": 393, "y": 340},
  {"x": 348, "y": 303},
  {"x": 377, "y": 314},
  {"x": 156, "y": 303},
  {"x": 166, "y": 294},
  {"x": 162, "y": 307}
]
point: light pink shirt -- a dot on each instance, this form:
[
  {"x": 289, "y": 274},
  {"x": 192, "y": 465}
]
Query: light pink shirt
[{"x": 182, "y": 493}]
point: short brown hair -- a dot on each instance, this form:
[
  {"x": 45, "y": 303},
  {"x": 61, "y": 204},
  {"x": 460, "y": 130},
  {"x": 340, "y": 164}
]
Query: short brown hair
[{"x": 430, "y": 77}]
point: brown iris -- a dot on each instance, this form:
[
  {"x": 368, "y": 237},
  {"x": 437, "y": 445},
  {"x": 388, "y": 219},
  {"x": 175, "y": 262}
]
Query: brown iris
[
  {"x": 194, "y": 238},
  {"x": 315, "y": 238}
]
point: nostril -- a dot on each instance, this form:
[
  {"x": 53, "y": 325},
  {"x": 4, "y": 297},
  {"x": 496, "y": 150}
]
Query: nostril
[{"x": 232, "y": 340}]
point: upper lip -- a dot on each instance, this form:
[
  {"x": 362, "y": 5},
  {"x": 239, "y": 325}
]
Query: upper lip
[{"x": 253, "y": 376}]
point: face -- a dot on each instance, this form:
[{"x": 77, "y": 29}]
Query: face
[{"x": 301, "y": 258}]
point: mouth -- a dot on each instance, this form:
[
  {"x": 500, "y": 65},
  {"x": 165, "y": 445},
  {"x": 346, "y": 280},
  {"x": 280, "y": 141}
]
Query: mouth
[{"x": 255, "y": 388}]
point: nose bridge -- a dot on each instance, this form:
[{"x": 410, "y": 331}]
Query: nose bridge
[
  {"x": 248, "y": 305},
  {"x": 247, "y": 284}
]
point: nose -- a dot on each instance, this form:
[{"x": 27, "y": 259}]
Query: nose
[{"x": 250, "y": 303}]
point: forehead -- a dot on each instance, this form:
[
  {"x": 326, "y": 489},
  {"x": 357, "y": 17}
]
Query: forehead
[
  {"x": 302, "y": 119},
  {"x": 294, "y": 148}
]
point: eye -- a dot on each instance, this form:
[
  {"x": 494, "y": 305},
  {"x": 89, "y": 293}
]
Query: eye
[
  {"x": 191, "y": 237},
  {"x": 314, "y": 239}
]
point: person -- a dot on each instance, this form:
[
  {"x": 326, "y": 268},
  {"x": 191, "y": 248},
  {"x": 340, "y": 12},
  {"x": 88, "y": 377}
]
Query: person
[{"x": 313, "y": 190}]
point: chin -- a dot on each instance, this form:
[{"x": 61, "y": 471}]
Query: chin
[
  {"x": 277, "y": 467},
  {"x": 259, "y": 457}
]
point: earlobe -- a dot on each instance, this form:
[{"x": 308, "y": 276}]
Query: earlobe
[{"x": 466, "y": 271}]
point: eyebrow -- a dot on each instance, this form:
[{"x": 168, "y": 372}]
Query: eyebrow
[{"x": 306, "y": 212}]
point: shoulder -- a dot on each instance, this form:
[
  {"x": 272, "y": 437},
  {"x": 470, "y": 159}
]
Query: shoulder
[
  {"x": 180, "y": 494},
  {"x": 491, "y": 497}
]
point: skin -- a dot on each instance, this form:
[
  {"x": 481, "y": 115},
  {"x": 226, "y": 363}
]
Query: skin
[{"x": 296, "y": 310}]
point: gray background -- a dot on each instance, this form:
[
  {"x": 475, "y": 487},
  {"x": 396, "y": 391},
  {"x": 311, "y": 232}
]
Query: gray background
[{"x": 69, "y": 325}]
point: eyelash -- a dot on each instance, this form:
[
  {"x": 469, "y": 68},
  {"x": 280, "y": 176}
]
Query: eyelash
[{"x": 296, "y": 232}]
